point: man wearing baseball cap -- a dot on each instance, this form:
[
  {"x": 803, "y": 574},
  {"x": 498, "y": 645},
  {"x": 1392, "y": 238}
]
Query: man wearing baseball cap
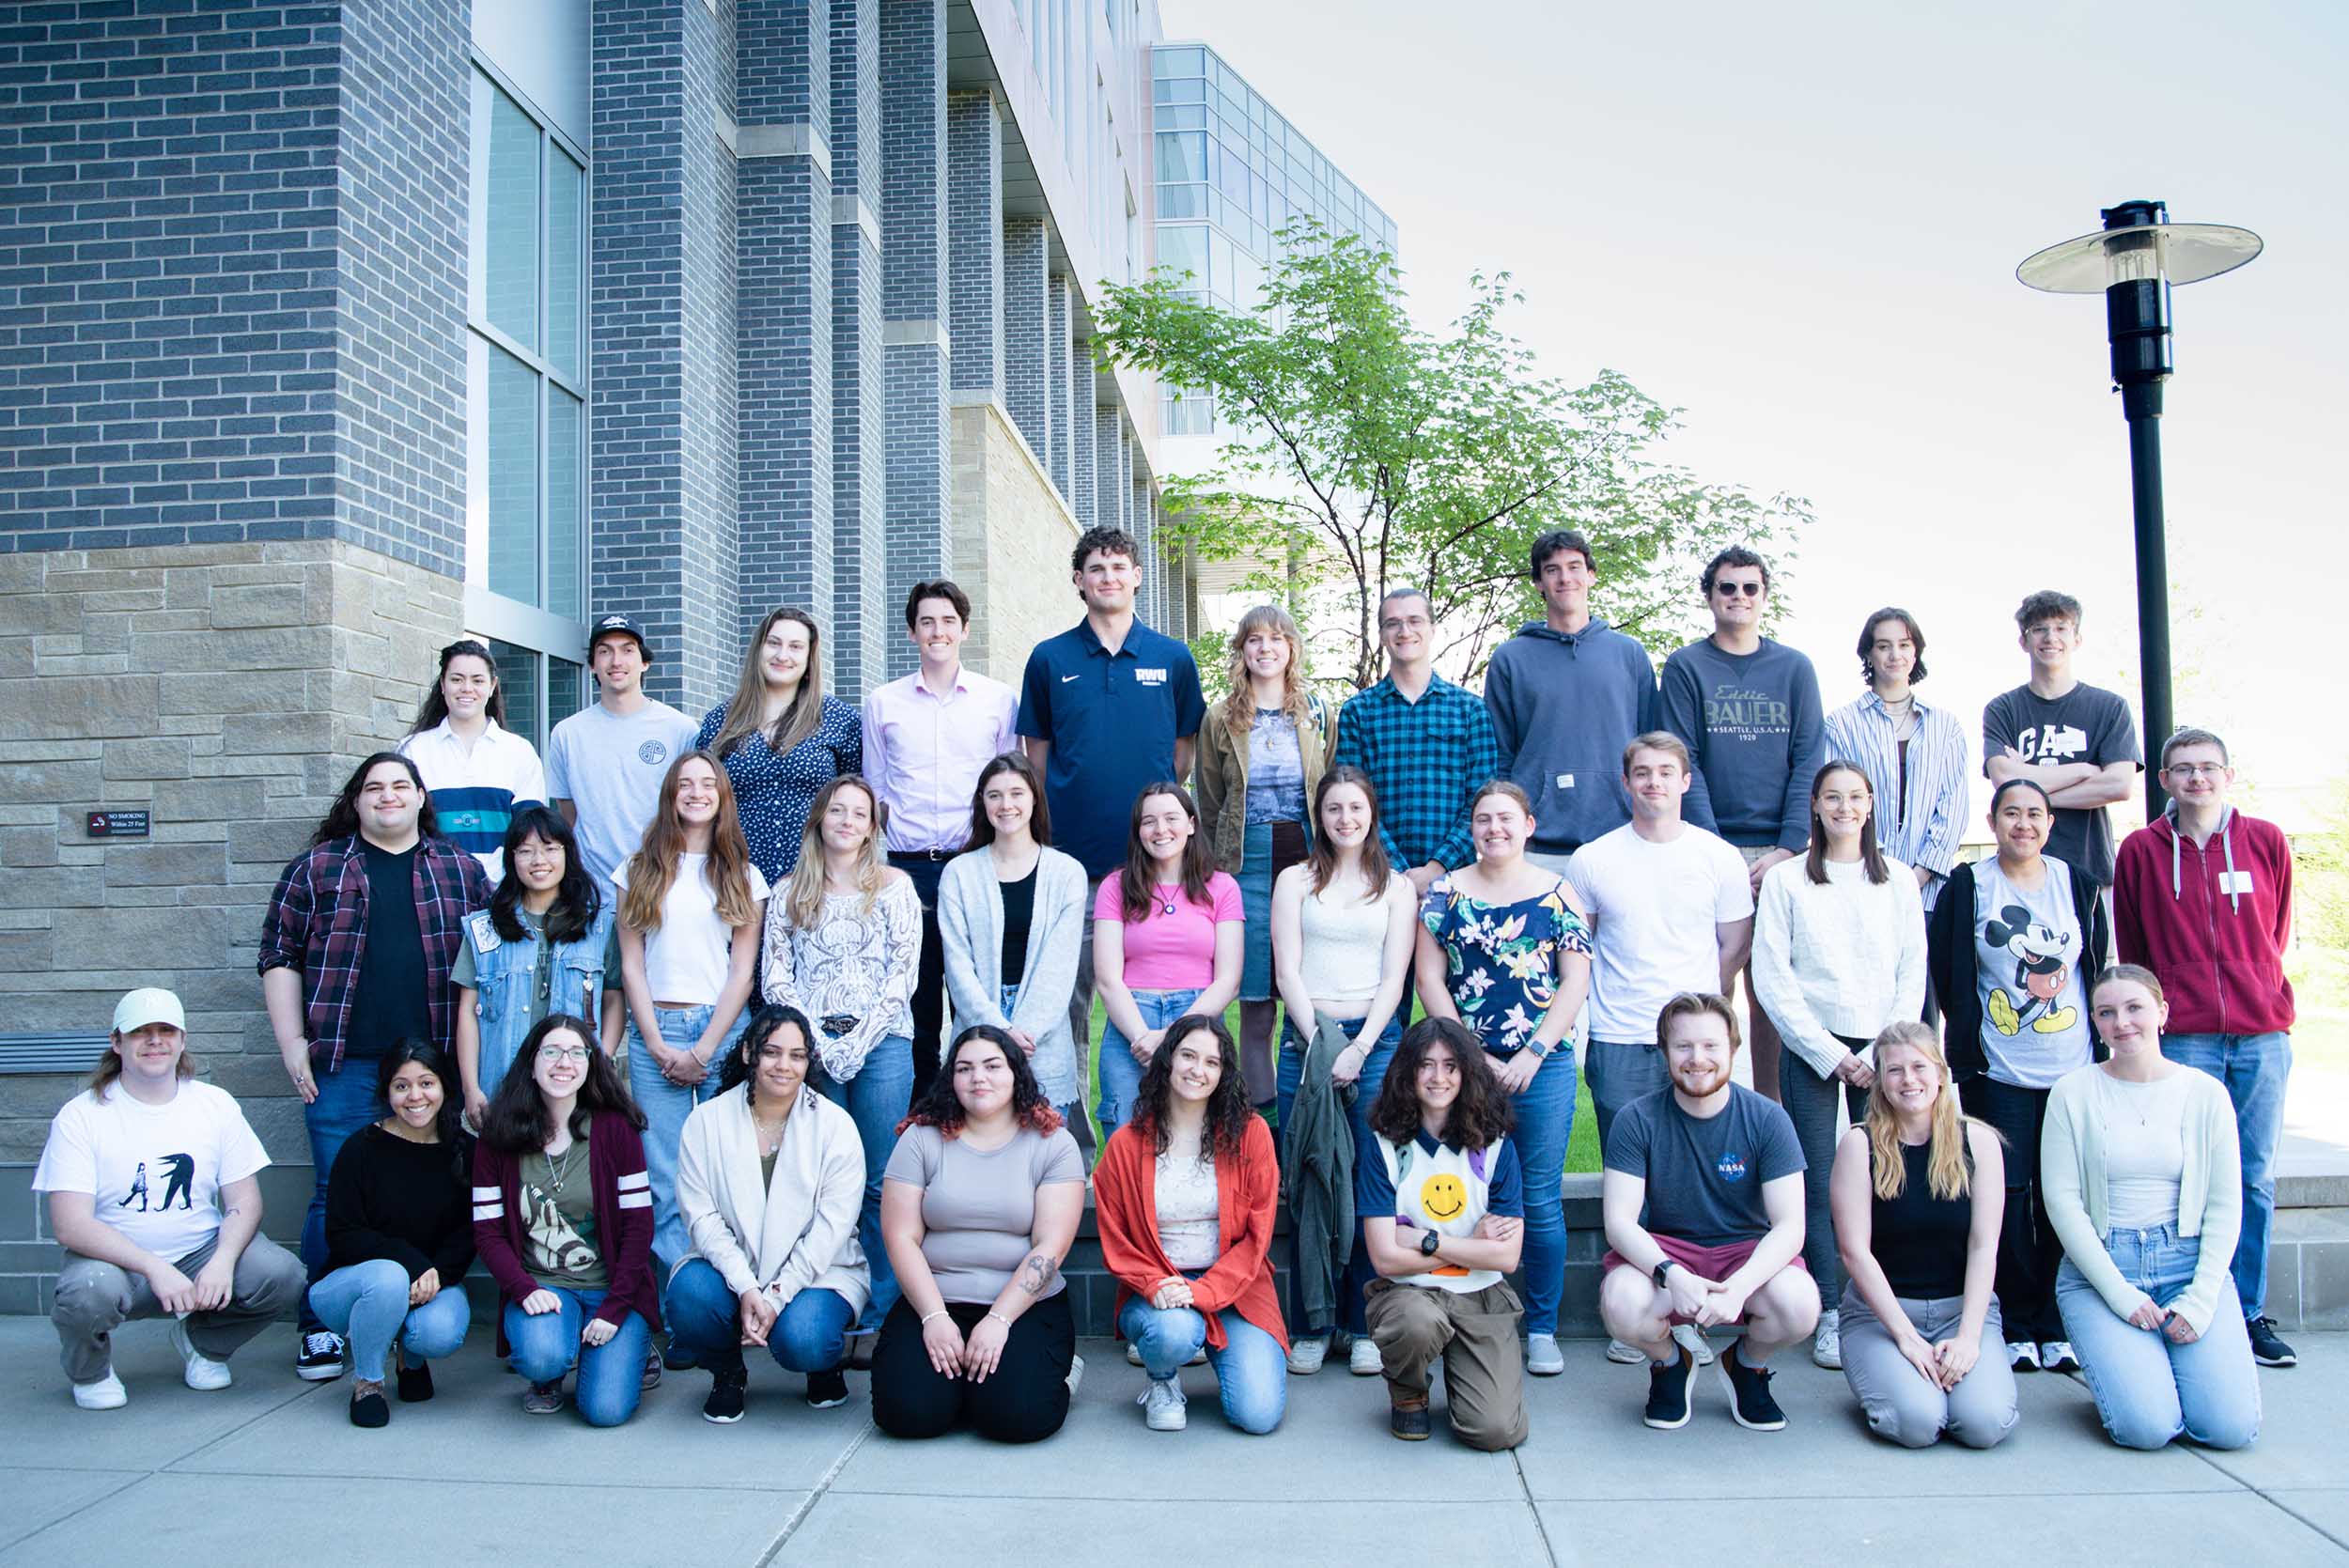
[
  {"x": 153, "y": 1190},
  {"x": 605, "y": 763}
]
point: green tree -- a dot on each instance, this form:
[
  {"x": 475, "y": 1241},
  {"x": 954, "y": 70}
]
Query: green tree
[{"x": 1367, "y": 454}]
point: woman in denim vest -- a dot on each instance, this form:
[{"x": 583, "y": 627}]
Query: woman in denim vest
[{"x": 542, "y": 946}]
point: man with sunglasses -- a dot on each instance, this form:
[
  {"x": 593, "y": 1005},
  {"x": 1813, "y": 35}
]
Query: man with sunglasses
[
  {"x": 1748, "y": 709},
  {"x": 2203, "y": 898}
]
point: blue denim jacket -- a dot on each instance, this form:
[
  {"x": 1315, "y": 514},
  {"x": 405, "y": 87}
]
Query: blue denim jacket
[{"x": 505, "y": 970}]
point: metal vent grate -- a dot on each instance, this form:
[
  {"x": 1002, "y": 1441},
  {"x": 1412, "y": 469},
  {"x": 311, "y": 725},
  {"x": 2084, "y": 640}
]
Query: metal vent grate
[{"x": 47, "y": 1051}]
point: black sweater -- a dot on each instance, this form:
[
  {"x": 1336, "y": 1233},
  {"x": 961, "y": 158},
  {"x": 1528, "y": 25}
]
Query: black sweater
[{"x": 390, "y": 1198}]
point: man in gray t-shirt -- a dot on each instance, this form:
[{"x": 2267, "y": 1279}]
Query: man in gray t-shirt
[
  {"x": 2076, "y": 741},
  {"x": 605, "y": 763}
]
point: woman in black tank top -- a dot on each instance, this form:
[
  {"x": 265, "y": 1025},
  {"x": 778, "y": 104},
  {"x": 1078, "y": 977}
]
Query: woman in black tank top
[{"x": 1918, "y": 1194}]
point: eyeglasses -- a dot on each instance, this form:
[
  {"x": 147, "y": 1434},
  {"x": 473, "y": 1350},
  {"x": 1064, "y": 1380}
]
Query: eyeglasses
[
  {"x": 1731, "y": 590},
  {"x": 563, "y": 1053},
  {"x": 2197, "y": 769}
]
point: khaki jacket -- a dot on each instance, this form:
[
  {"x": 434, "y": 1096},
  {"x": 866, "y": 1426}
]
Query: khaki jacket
[{"x": 1220, "y": 776}]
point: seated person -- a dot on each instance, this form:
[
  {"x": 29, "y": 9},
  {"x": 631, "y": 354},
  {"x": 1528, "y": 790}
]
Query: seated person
[
  {"x": 153, "y": 1191},
  {"x": 400, "y": 1231},
  {"x": 1185, "y": 1197},
  {"x": 771, "y": 1180},
  {"x": 1704, "y": 1204},
  {"x": 1442, "y": 1201},
  {"x": 979, "y": 1206},
  {"x": 1918, "y": 1190}
]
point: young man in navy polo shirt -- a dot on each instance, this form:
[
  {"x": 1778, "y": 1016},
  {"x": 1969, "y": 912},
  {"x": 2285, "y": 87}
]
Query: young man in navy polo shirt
[{"x": 1107, "y": 707}]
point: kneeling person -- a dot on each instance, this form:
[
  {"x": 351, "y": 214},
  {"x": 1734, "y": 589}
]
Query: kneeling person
[
  {"x": 1443, "y": 1200},
  {"x": 1702, "y": 1199},
  {"x": 153, "y": 1190}
]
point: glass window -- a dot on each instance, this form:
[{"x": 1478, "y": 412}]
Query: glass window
[
  {"x": 567, "y": 511},
  {"x": 1183, "y": 248},
  {"x": 1181, "y": 116},
  {"x": 566, "y": 191},
  {"x": 1178, "y": 62},
  {"x": 1182, "y": 201},
  {"x": 1182, "y": 156},
  {"x": 540, "y": 692},
  {"x": 513, "y": 458},
  {"x": 509, "y": 195}
]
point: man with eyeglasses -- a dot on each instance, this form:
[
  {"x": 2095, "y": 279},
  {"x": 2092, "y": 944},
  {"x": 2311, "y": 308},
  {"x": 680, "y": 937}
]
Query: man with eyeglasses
[
  {"x": 2074, "y": 740},
  {"x": 2203, "y": 897},
  {"x": 1748, "y": 709}
]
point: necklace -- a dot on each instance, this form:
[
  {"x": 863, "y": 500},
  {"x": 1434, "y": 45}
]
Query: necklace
[
  {"x": 769, "y": 1139},
  {"x": 559, "y": 1176}
]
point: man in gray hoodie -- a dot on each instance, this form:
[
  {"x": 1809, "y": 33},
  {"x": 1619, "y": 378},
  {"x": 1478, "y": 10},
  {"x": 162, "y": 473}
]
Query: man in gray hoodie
[{"x": 1567, "y": 693}]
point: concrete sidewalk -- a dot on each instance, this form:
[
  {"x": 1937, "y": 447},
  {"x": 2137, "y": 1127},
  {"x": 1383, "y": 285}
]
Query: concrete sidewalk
[{"x": 271, "y": 1472}]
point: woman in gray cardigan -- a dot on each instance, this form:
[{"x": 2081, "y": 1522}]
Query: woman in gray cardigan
[{"x": 1011, "y": 914}]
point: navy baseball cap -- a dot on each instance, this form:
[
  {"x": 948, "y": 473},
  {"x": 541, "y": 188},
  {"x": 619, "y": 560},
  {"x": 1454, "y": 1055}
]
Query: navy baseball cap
[{"x": 605, "y": 625}]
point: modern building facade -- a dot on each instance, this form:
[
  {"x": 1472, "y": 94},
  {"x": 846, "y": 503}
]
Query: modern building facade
[{"x": 330, "y": 332}]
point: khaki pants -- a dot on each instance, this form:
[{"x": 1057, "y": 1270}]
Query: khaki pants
[{"x": 1476, "y": 1334}]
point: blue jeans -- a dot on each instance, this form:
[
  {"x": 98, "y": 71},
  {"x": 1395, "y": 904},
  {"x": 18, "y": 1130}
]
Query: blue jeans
[
  {"x": 1250, "y": 1372},
  {"x": 666, "y": 1106},
  {"x": 812, "y": 1335},
  {"x": 611, "y": 1374},
  {"x": 1359, "y": 1273},
  {"x": 876, "y": 1100},
  {"x": 2254, "y": 1068},
  {"x": 1121, "y": 1075},
  {"x": 367, "y": 1304},
  {"x": 347, "y": 1103},
  {"x": 2149, "y": 1390},
  {"x": 1545, "y": 1127}
]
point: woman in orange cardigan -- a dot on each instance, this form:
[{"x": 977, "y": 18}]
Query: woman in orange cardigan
[{"x": 1184, "y": 1196}]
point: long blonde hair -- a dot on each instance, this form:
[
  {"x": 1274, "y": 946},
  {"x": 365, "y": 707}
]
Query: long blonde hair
[
  {"x": 1239, "y": 704},
  {"x": 804, "y": 899},
  {"x": 1949, "y": 1164},
  {"x": 801, "y": 715},
  {"x": 653, "y": 867}
]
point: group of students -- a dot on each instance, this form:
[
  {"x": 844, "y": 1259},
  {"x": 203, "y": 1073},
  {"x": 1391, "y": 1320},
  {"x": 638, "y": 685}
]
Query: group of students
[{"x": 672, "y": 1009}]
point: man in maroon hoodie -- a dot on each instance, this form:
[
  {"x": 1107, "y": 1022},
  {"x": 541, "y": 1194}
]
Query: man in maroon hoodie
[{"x": 2203, "y": 897}]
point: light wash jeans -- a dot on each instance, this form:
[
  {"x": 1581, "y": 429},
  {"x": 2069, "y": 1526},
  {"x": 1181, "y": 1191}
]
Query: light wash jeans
[
  {"x": 2254, "y": 1068},
  {"x": 611, "y": 1374},
  {"x": 1251, "y": 1376},
  {"x": 367, "y": 1304},
  {"x": 1121, "y": 1075},
  {"x": 876, "y": 1100},
  {"x": 666, "y": 1106},
  {"x": 810, "y": 1335},
  {"x": 2149, "y": 1389}
]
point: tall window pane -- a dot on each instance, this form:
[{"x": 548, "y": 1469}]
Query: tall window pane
[
  {"x": 512, "y": 292},
  {"x": 567, "y": 691},
  {"x": 518, "y": 673},
  {"x": 567, "y": 518},
  {"x": 513, "y": 488},
  {"x": 567, "y": 188}
]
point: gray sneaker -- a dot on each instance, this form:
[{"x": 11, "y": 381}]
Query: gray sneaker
[
  {"x": 1307, "y": 1352},
  {"x": 1542, "y": 1355},
  {"x": 1164, "y": 1406},
  {"x": 1692, "y": 1339},
  {"x": 1625, "y": 1355}
]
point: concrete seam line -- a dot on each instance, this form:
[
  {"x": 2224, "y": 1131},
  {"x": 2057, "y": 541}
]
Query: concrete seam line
[
  {"x": 1540, "y": 1529},
  {"x": 2270, "y": 1500},
  {"x": 816, "y": 1494}
]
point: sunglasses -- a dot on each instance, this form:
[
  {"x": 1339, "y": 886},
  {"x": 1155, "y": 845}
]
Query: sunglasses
[{"x": 1731, "y": 590}]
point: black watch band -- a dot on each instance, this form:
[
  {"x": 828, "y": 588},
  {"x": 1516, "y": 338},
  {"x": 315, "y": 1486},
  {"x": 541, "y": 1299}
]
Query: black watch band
[
  {"x": 1428, "y": 1242},
  {"x": 1661, "y": 1272}
]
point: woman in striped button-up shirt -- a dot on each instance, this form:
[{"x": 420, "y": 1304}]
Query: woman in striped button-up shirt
[{"x": 1914, "y": 756}]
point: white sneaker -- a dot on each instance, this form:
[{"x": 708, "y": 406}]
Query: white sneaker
[
  {"x": 2056, "y": 1356},
  {"x": 1691, "y": 1338},
  {"x": 1306, "y": 1353},
  {"x": 200, "y": 1371},
  {"x": 1625, "y": 1355},
  {"x": 1075, "y": 1374},
  {"x": 1363, "y": 1360},
  {"x": 107, "y": 1393},
  {"x": 1542, "y": 1355},
  {"x": 1164, "y": 1406},
  {"x": 1826, "y": 1346},
  {"x": 2022, "y": 1355}
]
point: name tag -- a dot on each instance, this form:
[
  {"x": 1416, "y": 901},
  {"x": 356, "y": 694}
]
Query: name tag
[
  {"x": 1566, "y": 781},
  {"x": 1150, "y": 678},
  {"x": 2235, "y": 881},
  {"x": 485, "y": 932}
]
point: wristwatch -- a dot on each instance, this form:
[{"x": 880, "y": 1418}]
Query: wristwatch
[
  {"x": 1659, "y": 1272},
  {"x": 1428, "y": 1242}
]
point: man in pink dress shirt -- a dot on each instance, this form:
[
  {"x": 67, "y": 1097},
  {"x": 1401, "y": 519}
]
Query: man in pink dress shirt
[{"x": 926, "y": 736}]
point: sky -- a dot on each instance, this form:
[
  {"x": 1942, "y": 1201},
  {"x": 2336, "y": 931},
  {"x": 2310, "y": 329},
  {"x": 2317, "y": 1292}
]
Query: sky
[{"x": 1800, "y": 224}]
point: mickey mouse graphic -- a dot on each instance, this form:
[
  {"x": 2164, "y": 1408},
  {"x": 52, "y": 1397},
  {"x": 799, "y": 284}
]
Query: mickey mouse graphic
[{"x": 2040, "y": 974}]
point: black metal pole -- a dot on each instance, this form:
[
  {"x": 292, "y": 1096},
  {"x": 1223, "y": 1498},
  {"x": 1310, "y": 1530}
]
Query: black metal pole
[
  {"x": 2152, "y": 596},
  {"x": 2137, "y": 322}
]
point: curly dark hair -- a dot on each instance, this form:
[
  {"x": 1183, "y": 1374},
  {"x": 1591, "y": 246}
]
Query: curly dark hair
[
  {"x": 741, "y": 1062},
  {"x": 516, "y": 1121},
  {"x": 1228, "y": 1109},
  {"x": 942, "y": 1107},
  {"x": 1479, "y": 1116},
  {"x": 342, "y": 818},
  {"x": 577, "y": 897}
]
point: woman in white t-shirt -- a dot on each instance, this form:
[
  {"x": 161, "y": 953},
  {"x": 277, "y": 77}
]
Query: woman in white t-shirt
[{"x": 691, "y": 905}]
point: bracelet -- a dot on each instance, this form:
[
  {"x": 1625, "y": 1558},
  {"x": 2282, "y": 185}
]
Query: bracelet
[
  {"x": 999, "y": 1317},
  {"x": 927, "y": 1316}
]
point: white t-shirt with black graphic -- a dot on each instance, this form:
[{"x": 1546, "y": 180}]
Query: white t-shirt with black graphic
[{"x": 154, "y": 1171}]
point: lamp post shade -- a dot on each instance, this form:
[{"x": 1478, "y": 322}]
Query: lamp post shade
[{"x": 2173, "y": 253}]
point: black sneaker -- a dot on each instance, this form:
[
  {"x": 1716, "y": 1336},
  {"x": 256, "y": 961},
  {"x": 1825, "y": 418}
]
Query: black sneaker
[
  {"x": 1749, "y": 1399},
  {"x": 366, "y": 1405},
  {"x": 827, "y": 1388},
  {"x": 1670, "y": 1384},
  {"x": 724, "y": 1403},
  {"x": 320, "y": 1357},
  {"x": 415, "y": 1383},
  {"x": 2267, "y": 1349},
  {"x": 1408, "y": 1422}
]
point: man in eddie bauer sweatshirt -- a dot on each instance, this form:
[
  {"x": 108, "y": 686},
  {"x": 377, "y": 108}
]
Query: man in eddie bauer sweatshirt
[
  {"x": 1748, "y": 709},
  {"x": 1567, "y": 693}
]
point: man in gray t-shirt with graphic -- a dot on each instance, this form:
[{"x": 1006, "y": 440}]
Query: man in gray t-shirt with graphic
[
  {"x": 605, "y": 763},
  {"x": 2074, "y": 740}
]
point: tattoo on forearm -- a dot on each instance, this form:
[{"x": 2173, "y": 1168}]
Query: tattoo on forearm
[{"x": 1037, "y": 1276}]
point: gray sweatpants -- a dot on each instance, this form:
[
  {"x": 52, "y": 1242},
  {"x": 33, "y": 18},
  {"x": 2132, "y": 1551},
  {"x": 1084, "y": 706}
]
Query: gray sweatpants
[
  {"x": 1900, "y": 1404},
  {"x": 94, "y": 1297}
]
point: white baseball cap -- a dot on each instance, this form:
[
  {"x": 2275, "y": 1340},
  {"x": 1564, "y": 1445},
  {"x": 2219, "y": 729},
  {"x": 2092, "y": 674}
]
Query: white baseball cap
[{"x": 148, "y": 1005}]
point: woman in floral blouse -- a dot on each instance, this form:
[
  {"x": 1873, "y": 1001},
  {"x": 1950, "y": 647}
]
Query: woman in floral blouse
[
  {"x": 782, "y": 739},
  {"x": 1504, "y": 949}
]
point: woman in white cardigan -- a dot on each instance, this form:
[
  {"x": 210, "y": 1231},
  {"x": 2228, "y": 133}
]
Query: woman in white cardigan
[
  {"x": 770, "y": 1181},
  {"x": 1839, "y": 952},
  {"x": 2142, "y": 1174},
  {"x": 1011, "y": 913}
]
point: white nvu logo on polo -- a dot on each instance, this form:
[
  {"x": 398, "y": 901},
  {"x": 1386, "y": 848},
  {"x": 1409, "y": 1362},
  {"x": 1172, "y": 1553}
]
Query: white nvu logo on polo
[{"x": 1150, "y": 678}]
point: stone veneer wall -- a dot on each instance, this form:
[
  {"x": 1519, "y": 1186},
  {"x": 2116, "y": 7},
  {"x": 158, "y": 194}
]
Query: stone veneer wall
[
  {"x": 227, "y": 689},
  {"x": 1012, "y": 535}
]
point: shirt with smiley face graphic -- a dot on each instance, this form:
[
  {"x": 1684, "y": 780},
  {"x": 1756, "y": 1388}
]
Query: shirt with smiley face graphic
[{"x": 1430, "y": 1185}]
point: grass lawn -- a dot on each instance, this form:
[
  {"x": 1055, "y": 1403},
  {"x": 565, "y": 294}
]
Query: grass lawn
[{"x": 1581, "y": 1153}]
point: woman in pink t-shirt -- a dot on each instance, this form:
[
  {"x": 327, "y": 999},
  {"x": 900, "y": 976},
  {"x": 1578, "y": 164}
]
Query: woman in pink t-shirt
[{"x": 1167, "y": 941}]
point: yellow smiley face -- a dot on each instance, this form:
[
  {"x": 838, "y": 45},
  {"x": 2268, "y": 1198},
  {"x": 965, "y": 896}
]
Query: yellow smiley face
[{"x": 1444, "y": 1196}]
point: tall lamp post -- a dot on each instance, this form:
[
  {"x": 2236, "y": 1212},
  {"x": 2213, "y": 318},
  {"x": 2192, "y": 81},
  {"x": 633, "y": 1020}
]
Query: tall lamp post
[{"x": 2133, "y": 262}]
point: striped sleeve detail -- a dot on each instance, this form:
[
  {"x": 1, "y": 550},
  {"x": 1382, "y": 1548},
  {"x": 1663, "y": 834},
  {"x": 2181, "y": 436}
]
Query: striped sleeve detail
[
  {"x": 489, "y": 1202},
  {"x": 635, "y": 1189}
]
